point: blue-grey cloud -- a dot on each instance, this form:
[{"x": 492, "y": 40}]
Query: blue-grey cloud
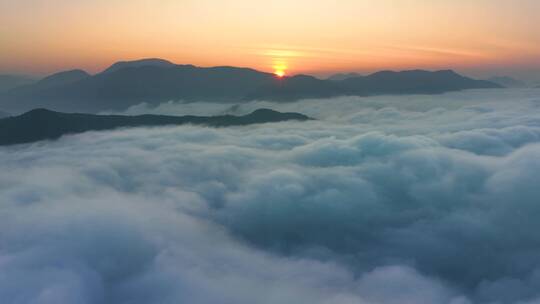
[{"x": 417, "y": 199}]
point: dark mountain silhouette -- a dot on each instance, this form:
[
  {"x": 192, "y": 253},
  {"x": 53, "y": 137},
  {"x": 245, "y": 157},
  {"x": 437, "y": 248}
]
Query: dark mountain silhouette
[
  {"x": 48, "y": 84},
  {"x": 154, "y": 81},
  {"x": 8, "y": 82},
  {"x": 40, "y": 124},
  {"x": 507, "y": 82},
  {"x": 412, "y": 82},
  {"x": 294, "y": 88},
  {"x": 343, "y": 76},
  {"x": 61, "y": 78},
  {"x": 118, "y": 89},
  {"x": 156, "y": 62}
]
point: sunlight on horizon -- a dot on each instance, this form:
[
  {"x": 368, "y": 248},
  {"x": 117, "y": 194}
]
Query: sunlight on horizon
[
  {"x": 280, "y": 69},
  {"x": 317, "y": 37}
]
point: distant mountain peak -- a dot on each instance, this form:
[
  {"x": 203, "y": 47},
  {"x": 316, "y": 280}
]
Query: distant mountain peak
[
  {"x": 302, "y": 76},
  {"x": 64, "y": 77},
  {"x": 156, "y": 62},
  {"x": 8, "y": 82},
  {"x": 416, "y": 71},
  {"x": 508, "y": 82},
  {"x": 448, "y": 71},
  {"x": 343, "y": 76},
  {"x": 38, "y": 111}
]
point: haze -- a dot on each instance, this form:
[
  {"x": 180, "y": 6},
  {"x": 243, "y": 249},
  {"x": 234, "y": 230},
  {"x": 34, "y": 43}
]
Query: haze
[{"x": 481, "y": 38}]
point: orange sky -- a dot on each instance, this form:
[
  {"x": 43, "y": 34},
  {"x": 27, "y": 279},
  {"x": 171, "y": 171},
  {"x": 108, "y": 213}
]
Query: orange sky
[{"x": 305, "y": 36}]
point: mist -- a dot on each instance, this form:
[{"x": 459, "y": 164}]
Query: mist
[{"x": 387, "y": 199}]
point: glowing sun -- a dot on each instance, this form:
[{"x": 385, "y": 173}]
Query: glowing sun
[{"x": 279, "y": 70}]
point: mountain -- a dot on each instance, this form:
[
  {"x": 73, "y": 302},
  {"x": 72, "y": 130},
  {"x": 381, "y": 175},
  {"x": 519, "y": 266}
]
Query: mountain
[
  {"x": 40, "y": 124},
  {"x": 61, "y": 78},
  {"x": 154, "y": 81},
  {"x": 8, "y": 82},
  {"x": 412, "y": 82},
  {"x": 155, "y": 62},
  {"x": 343, "y": 76},
  {"x": 23, "y": 83},
  {"x": 294, "y": 88},
  {"x": 507, "y": 82},
  {"x": 49, "y": 83},
  {"x": 4, "y": 114},
  {"x": 118, "y": 89}
]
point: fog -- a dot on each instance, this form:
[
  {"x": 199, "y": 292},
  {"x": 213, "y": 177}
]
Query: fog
[{"x": 411, "y": 199}]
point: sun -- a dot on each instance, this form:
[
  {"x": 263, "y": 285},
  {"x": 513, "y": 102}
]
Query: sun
[{"x": 279, "y": 70}]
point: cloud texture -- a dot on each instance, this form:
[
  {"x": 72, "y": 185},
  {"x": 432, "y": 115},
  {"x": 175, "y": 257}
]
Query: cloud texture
[{"x": 416, "y": 199}]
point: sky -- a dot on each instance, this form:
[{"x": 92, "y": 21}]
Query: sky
[{"x": 480, "y": 38}]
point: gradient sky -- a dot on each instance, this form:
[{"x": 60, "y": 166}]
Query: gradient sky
[{"x": 479, "y": 37}]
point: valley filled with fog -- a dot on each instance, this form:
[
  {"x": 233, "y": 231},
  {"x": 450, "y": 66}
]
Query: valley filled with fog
[{"x": 386, "y": 199}]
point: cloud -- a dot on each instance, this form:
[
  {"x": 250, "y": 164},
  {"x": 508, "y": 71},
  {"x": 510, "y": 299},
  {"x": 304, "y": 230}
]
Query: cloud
[{"x": 422, "y": 199}]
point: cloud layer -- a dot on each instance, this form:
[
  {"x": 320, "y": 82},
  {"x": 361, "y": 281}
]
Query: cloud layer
[{"x": 417, "y": 199}]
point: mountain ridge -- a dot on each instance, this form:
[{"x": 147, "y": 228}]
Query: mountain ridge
[
  {"x": 158, "y": 62},
  {"x": 507, "y": 81},
  {"x": 63, "y": 78},
  {"x": 41, "y": 124},
  {"x": 154, "y": 81},
  {"x": 9, "y": 81},
  {"x": 343, "y": 76}
]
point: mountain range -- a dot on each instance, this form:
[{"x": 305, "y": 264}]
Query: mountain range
[
  {"x": 41, "y": 124},
  {"x": 343, "y": 76},
  {"x": 8, "y": 82},
  {"x": 154, "y": 81},
  {"x": 507, "y": 81}
]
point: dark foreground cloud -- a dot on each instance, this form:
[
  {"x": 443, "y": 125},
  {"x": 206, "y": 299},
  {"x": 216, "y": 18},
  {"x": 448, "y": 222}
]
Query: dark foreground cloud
[{"x": 387, "y": 200}]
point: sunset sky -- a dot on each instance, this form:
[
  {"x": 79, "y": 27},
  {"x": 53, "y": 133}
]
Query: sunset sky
[{"x": 479, "y": 37}]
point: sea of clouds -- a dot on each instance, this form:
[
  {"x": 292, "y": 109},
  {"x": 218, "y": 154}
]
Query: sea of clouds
[{"x": 391, "y": 199}]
